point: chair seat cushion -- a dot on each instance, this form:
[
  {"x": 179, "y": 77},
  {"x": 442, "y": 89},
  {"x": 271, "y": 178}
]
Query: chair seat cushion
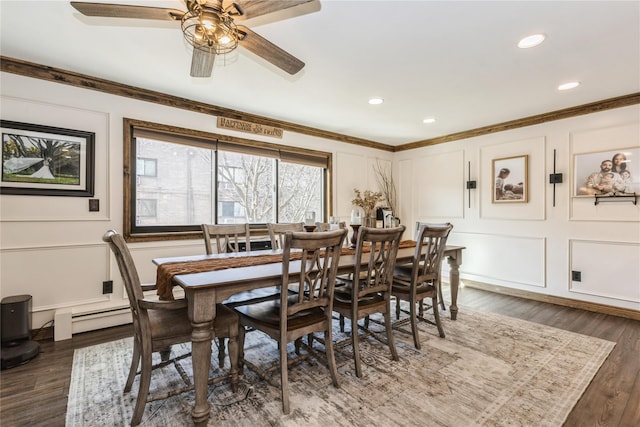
[
  {"x": 423, "y": 290},
  {"x": 268, "y": 313},
  {"x": 343, "y": 298}
]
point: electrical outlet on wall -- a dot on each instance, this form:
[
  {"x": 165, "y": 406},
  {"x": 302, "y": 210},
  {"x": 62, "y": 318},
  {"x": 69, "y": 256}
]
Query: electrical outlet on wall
[
  {"x": 107, "y": 287},
  {"x": 576, "y": 276}
]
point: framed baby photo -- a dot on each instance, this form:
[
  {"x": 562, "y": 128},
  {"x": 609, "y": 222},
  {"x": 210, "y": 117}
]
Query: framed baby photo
[
  {"x": 510, "y": 179},
  {"x": 610, "y": 172},
  {"x": 46, "y": 161}
]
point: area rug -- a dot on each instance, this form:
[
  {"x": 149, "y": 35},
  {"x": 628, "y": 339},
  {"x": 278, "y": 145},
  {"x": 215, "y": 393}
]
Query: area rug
[{"x": 490, "y": 370}]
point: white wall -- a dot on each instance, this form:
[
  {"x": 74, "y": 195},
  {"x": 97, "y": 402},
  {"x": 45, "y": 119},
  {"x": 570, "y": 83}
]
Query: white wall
[
  {"x": 534, "y": 246},
  {"x": 51, "y": 247}
]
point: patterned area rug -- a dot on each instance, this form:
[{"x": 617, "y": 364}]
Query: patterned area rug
[{"x": 490, "y": 370}]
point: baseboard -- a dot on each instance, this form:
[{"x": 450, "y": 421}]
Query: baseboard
[{"x": 566, "y": 302}]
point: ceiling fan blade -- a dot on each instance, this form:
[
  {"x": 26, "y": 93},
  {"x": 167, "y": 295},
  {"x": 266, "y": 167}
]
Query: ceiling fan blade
[
  {"x": 202, "y": 63},
  {"x": 252, "y": 8},
  {"x": 126, "y": 11},
  {"x": 268, "y": 51}
]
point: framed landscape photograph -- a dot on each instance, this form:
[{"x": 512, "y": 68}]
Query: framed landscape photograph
[
  {"x": 46, "y": 161},
  {"x": 510, "y": 180},
  {"x": 611, "y": 172}
]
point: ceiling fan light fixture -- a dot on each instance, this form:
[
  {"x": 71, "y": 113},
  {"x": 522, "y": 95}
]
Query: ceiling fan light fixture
[
  {"x": 210, "y": 30},
  {"x": 376, "y": 101}
]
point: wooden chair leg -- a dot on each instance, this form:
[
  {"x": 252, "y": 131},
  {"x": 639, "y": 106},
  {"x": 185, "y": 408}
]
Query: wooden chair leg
[
  {"x": 310, "y": 341},
  {"x": 341, "y": 323},
  {"x": 355, "y": 343},
  {"x": 241, "y": 333},
  {"x": 437, "y": 317},
  {"x": 284, "y": 380},
  {"x": 440, "y": 298},
  {"x": 165, "y": 355},
  {"x": 221, "y": 351},
  {"x": 233, "y": 361},
  {"x": 366, "y": 322},
  {"x": 331, "y": 357},
  {"x": 135, "y": 361},
  {"x": 389, "y": 327},
  {"x": 143, "y": 390},
  {"x": 397, "y": 308},
  {"x": 297, "y": 345},
  {"x": 414, "y": 324}
]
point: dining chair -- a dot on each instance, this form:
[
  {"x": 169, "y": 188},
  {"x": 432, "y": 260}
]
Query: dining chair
[
  {"x": 416, "y": 236},
  {"x": 421, "y": 279},
  {"x": 305, "y": 311},
  {"x": 157, "y": 325},
  {"x": 370, "y": 290},
  {"x": 226, "y": 237},
  {"x": 277, "y": 231}
]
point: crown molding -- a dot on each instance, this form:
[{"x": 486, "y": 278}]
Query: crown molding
[{"x": 57, "y": 75}]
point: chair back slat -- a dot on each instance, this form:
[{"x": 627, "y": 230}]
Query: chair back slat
[
  {"x": 316, "y": 280},
  {"x": 277, "y": 231},
  {"x": 430, "y": 245},
  {"x": 377, "y": 276},
  {"x": 226, "y": 237}
]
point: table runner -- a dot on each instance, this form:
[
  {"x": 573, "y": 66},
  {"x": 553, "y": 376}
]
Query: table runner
[{"x": 166, "y": 271}]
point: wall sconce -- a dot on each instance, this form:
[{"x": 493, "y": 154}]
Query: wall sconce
[
  {"x": 471, "y": 185},
  {"x": 555, "y": 178}
]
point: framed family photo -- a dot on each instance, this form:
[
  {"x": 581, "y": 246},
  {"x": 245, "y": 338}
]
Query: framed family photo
[
  {"x": 510, "y": 179},
  {"x": 611, "y": 172},
  {"x": 46, "y": 161}
]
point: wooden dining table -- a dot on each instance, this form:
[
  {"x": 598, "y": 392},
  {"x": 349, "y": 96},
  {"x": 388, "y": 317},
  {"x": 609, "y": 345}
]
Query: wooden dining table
[{"x": 206, "y": 288}]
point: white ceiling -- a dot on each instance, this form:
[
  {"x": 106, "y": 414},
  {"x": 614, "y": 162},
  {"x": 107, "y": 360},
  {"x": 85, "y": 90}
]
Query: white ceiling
[{"x": 456, "y": 61}]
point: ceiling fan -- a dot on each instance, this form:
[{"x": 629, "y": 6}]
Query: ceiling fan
[{"x": 209, "y": 26}]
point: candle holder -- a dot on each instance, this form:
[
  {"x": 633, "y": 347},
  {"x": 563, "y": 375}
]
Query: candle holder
[{"x": 354, "y": 238}]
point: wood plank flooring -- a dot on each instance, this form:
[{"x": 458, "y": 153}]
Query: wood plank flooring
[{"x": 35, "y": 394}]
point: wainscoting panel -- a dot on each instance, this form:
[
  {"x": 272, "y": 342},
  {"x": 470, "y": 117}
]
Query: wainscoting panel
[
  {"x": 608, "y": 269},
  {"x": 443, "y": 175},
  {"x": 534, "y": 209},
  {"x": 512, "y": 260},
  {"x": 607, "y": 141},
  {"x": 56, "y": 276}
]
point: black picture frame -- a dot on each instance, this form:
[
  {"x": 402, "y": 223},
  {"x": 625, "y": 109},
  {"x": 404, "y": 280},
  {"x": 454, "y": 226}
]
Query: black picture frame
[{"x": 42, "y": 160}]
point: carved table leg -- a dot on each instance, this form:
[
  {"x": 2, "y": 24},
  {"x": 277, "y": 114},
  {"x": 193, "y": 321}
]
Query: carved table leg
[
  {"x": 201, "y": 314},
  {"x": 454, "y": 260}
]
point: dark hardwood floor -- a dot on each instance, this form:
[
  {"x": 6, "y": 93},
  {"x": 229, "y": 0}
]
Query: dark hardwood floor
[{"x": 35, "y": 394}]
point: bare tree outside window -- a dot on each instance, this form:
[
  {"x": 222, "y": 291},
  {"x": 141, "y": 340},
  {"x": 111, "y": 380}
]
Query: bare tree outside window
[
  {"x": 299, "y": 191},
  {"x": 248, "y": 181}
]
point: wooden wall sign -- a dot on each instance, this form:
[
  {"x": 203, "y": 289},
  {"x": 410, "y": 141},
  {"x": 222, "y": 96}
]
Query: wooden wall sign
[{"x": 255, "y": 128}]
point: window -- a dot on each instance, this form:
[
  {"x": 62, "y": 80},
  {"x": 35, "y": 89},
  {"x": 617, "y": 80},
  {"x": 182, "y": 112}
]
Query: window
[
  {"x": 146, "y": 167},
  {"x": 209, "y": 178},
  {"x": 146, "y": 208}
]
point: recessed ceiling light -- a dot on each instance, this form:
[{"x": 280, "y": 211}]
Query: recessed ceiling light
[
  {"x": 376, "y": 101},
  {"x": 531, "y": 41},
  {"x": 429, "y": 120},
  {"x": 567, "y": 86}
]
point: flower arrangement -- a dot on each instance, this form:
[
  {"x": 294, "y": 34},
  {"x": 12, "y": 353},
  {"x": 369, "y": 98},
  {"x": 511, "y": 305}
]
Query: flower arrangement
[{"x": 367, "y": 200}]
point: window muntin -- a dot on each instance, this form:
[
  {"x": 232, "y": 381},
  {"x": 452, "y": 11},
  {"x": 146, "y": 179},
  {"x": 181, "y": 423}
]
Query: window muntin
[{"x": 202, "y": 179}]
